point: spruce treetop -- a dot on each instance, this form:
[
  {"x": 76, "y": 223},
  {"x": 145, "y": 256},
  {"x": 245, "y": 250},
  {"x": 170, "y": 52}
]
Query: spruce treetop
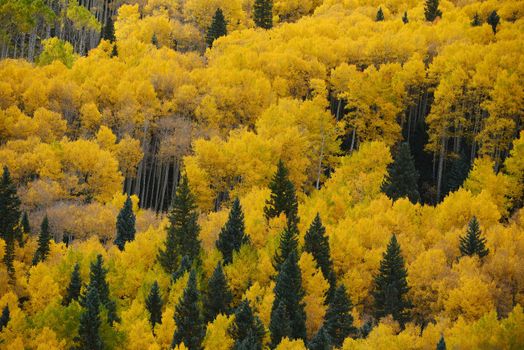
[{"x": 473, "y": 243}]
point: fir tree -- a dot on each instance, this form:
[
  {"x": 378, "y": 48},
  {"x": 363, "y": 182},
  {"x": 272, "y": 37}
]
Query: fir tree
[
  {"x": 317, "y": 243},
  {"x": 185, "y": 265},
  {"x": 283, "y": 198},
  {"x": 380, "y": 15},
  {"x": 390, "y": 285},
  {"x": 263, "y": 13},
  {"x": 247, "y": 330},
  {"x": 190, "y": 328},
  {"x": 217, "y": 28},
  {"x": 288, "y": 291},
  {"x": 88, "y": 331},
  {"x": 288, "y": 244},
  {"x": 9, "y": 257},
  {"x": 405, "y": 19},
  {"x": 338, "y": 319},
  {"x": 125, "y": 225},
  {"x": 26, "y": 227},
  {"x": 97, "y": 277},
  {"x": 493, "y": 21},
  {"x": 154, "y": 306},
  {"x": 402, "y": 178},
  {"x": 9, "y": 218},
  {"x": 473, "y": 243},
  {"x": 458, "y": 172},
  {"x": 4, "y": 319},
  {"x": 233, "y": 234},
  {"x": 476, "y": 21},
  {"x": 44, "y": 238},
  {"x": 279, "y": 325},
  {"x": 218, "y": 297},
  {"x": 182, "y": 233},
  {"x": 75, "y": 284},
  {"x": 431, "y": 10},
  {"x": 321, "y": 341},
  {"x": 108, "y": 32},
  {"x": 441, "y": 345}
]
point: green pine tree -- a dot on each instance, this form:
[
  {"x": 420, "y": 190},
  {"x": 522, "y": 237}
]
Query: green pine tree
[
  {"x": 217, "y": 28},
  {"x": 154, "y": 306},
  {"x": 26, "y": 227},
  {"x": 441, "y": 345},
  {"x": 9, "y": 258},
  {"x": 44, "y": 238},
  {"x": 125, "y": 225},
  {"x": 472, "y": 243},
  {"x": 493, "y": 21},
  {"x": 338, "y": 319},
  {"x": 405, "y": 18},
  {"x": 458, "y": 172},
  {"x": 5, "y": 317},
  {"x": 380, "y": 15},
  {"x": 108, "y": 32},
  {"x": 288, "y": 291},
  {"x": 97, "y": 277},
  {"x": 246, "y": 330},
  {"x": 279, "y": 325},
  {"x": 9, "y": 218},
  {"x": 233, "y": 234},
  {"x": 317, "y": 243},
  {"x": 88, "y": 331},
  {"x": 283, "y": 198},
  {"x": 182, "y": 233},
  {"x": 288, "y": 244},
  {"x": 263, "y": 13},
  {"x": 75, "y": 284},
  {"x": 476, "y": 21},
  {"x": 431, "y": 10},
  {"x": 185, "y": 265},
  {"x": 218, "y": 298},
  {"x": 321, "y": 341},
  {"x": 390, "y": 285},
  {"x": 190, "y": 328},
  {"x": 402, "y": 178}
]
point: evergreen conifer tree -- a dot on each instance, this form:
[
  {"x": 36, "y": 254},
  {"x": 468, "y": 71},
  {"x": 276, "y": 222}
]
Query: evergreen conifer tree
[
  {"x": 185, "y": 265},
  {"x": 154, "y": 306},
  {"x": 338, "y": 319},
  {"x": 441, "y": 345},
  {"x": 43, "y": 242},
  {"x": 283, "y": 198},
  {"x": 182, "y": 233},
  {"x": 247, "y": 330},
  {"x": 402, "y": 178},
  {"x": 431, "y": 10},
  {"x": 114, "y": 51},
  {"x": 9, "y": 218},
  {"x": 493, "y": 21},
  {"x": 317, "y": 243},
  {"x": 217, "y": 28},
  {"x": 75, "y": 284},
  {"x": 233, "y": 234},
  {"x": 26, "y": 227},
  {"x": 125, "y": 225},
  {"x": 154, "y": 40},
  {"x": 405, "y": 18},
  {"x": 473, "y": 243},
  {"x": 279, "y": 325},
  {"x": 380, "y": 15},
  {"x": 190, "y": 328},
  {"x": 5, "y": 317},
  {"x": 390, "y": 285},
  {"x": 108, "y": 32},
  {"x": 288, "y": 291},
  {"x": 88, "y": 331},
  {"x": 476, "y": 21},
  {"x": 9, "y": 257},
  {"x": 458, "y": 172},
  {"x": 263, "y": 13},
  {"x": 97, "y": 277},
  {"x": 321, "y": 341},
  {"x": 288, "y": 244},
  {"x": 218, "y": 298}
]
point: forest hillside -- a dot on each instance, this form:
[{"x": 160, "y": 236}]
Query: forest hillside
[{"x": 261, "y": 174}]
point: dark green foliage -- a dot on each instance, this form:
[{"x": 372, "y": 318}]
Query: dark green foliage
[
  {"x": 380, "y": 15},
  {"x": 125, "y": 225},
  {"x": 288, "y": 244},
  {"x": 9, "y": 257},
  {"x": 431, "y": 10},
  {"x": 402, "y": 178},
  {"x": 154, "y": 305},
  {"x": 263, "y": 13},
  {"x": 247, "y": 330},
  {"x": 405, "y": 19},
  {"x": 114, "y": 51},
  {"x": 283, "y": 198},
  {"x": 458, "y": 172},
  {"x": 4, "y": 319},
  {"x": 390, "y": 285},
  {"x": 473, "y": 243},
  {"x": 185, "y": 265},
  {"x": 43, "y": 242},
  {"x": 493, "y": 21},
  {"x": 75, "y": 284},
  {"x": 108, "y": 32},
  {"x": 279, "y": 325},
  {"x": 218, "y": 298},
  {"x": 338, "y": 319},
  {"x": 26, "y": 227},
  {"x": 441, "y": 345},
  {"x": 217, "y": 28},
  {"x": 317, "y": 243},
  {"x": 182, "y": 233},
  {"x": 288, "y": 291},
  {"x": 365, "y": 329},
  {"x": 154, "y": 40},
  {"x": 97, "y": 277},
  {"x": 88, "y": 331},
  {"x": 321, "y": 341},
  {"x": 9, "y": 218},
  {"x": 233, "y": 234},
  {"x": 476, "y": 21},
  {"x": 190, "y": 327}
]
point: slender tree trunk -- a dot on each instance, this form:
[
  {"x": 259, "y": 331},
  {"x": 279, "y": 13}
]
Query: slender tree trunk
[{"x": 442, "y": 155}]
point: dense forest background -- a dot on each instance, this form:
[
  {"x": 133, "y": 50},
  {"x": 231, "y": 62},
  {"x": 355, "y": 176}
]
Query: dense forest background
[{"x": 254, "y": 173}]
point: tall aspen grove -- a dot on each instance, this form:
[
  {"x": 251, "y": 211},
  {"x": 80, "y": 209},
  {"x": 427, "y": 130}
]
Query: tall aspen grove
[{"x": 261, "y": 174}]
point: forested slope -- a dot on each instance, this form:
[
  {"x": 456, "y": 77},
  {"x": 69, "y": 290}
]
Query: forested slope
[{"x": 248, "y": 174}]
